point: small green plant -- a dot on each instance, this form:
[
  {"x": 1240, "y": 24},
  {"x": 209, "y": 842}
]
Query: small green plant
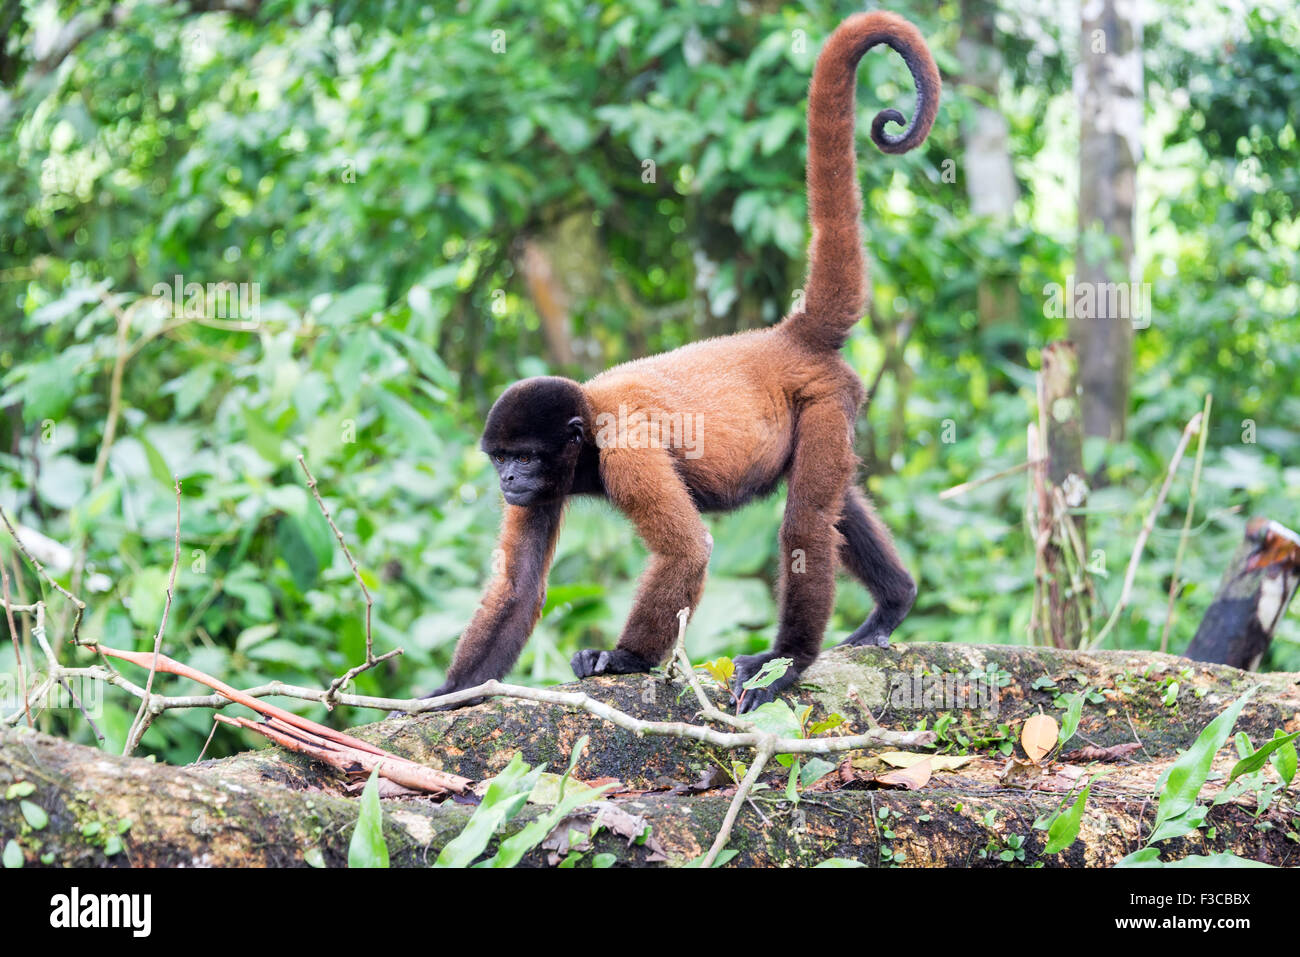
[
  {"x": 368, "y": 847},
  {"x": 887, "y": 853},
  {"x": 1063, "y": 826},
  {"x": 1179, "y": 813},
  {"x": 505, "y": 798}
]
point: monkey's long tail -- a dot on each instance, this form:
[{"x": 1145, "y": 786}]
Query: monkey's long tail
[{"x": 835, "y": 295}]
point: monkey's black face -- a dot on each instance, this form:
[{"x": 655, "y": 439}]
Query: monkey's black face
[
  {"x": 534, "y": 434},
  {"x": 525, "y": 477}
]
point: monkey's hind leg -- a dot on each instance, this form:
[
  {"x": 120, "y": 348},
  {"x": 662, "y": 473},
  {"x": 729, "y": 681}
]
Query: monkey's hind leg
[
  {"x": 819, "y": 476},
  {"x": 868, "y": 552},
  {"x": 644, "y": 484}
]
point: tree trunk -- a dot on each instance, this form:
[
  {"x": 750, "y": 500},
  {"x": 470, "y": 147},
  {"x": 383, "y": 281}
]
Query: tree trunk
[
  {"x": 990, "y": 179},
  {"x": 1252, "y": 598},
  {"x": 269, "y": 807},
  {"x": 1062, "y": 486},
  {"x": 1110, "y": 130}
]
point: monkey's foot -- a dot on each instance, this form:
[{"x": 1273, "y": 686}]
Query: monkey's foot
[
  {"x": 747, "y": 666},
  {"x": 592, "y": 661},
  {"x": 872, "y": 633}
]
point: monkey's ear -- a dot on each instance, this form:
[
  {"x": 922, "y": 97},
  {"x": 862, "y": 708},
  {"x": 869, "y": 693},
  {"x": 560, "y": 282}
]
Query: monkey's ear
[{"x": 576, "y": 430}]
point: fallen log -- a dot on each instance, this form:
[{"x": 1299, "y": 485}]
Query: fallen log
[{"x": 276, "y": 808}]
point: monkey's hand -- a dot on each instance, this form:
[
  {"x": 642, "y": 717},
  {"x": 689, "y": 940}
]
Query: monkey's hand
[
  {"x": 747, "y": 666},
  {"x": 592, "y": 661}
]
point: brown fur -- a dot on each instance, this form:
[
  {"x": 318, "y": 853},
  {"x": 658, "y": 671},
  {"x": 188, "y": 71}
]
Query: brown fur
[{"x": 774, "y": 403}]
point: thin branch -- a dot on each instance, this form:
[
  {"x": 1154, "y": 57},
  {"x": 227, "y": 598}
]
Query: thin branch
[
  {"x": 707, "y": 707},
  {"x": 742, "y": 792},
  {"x": 18, "y": 652},
  {"x": 371, "y": 660},
  {"x": 295, "y": 726},
  {"x": 678, "y": 729},
  {"x": 965, "y": 487},
  {"x": 342, "y": 681},
  {"x": 1135, "y": 559},
  {"x": 398, "y": 770},
  {"x": 143, "y": 717},
  {"x": 1187, "y": 520},
  {"x": 40, "y": 570},
  {"x": 99, "y": 735}
]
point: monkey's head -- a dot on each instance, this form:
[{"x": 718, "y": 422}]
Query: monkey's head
[{"x": 534, "y": 433}]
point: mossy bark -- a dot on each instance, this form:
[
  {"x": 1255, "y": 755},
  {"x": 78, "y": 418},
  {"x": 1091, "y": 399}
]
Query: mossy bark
[{"x": 268, "y": 807}]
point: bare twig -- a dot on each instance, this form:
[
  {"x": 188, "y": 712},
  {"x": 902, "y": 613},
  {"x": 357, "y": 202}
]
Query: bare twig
[
  {"x": 1187, "y": 520},
  {"x": 144, "y": 717},
  {"x": 399, "y": 770},
  {"x": 121, "y": 355},
  {"x": 40, "y": 570},
  {"x": 342, "y": 681},
  {"x": 742, "y": 792},
  {"x": 99, "y": 735},
  {"x": 1135, "y": 559},
  {"x": 498, "y": 689},
  {"x": 965, "y": 487},
  {"x": 707, "y": 707},
  {"x": 18, "y": 651},
  {"x": 1040, "y": 527},
  {"x": 295, "y": 726}
]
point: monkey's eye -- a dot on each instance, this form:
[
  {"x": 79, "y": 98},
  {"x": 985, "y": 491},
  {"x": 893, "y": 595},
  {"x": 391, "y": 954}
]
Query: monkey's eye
[
  {"x": 499, "y": 459},
  {"x": 523, "y": 459}
]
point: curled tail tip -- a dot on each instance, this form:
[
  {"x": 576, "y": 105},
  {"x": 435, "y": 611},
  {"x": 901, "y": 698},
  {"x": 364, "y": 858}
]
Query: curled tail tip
[{"x": 862, "y": 31}]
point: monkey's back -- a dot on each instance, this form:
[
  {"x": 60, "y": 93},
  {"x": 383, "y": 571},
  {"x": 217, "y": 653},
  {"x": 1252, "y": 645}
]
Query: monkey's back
[{"x": 737, "y": 398}]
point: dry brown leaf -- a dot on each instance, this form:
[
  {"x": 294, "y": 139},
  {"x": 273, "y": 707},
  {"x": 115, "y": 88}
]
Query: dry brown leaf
[
  {"x": 1115, "y": 752},
  {"x": 1020, "y": 774},
  {"x": 938, "y": 762},
  {"x": 909, "y": 778},
  {"x": 1038, "y": 737}
]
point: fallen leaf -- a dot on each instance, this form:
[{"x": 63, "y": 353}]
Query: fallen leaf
[
  {"x": 938, "y": 762},
  {"x": 574, "y": 832},
  {"x": 1020, "y": 774},
  {"x": 1038, "y": 737},
  {"x": 710, "y": 778},
  {"x": 1115, "y": 752},
  {"x": 910, "y": 778}
]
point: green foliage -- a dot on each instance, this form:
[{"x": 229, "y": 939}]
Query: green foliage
[
  {"x": 1073, "y": 712},
  {"x": 506, "y": 796},
  {"x": 368, "y": 847},
  {"x": 1064, "y": 828},
  {"x": 1150, "y": 857},
  {"x": 770, "y": 672},
  {"x": 1179, "y": 786},
  {"x": 1178, "y": 812},
  {"x": 1255, "y": 760},
  {"x": 514, "y": 848},
  {"x": 724, "y": 857}
]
